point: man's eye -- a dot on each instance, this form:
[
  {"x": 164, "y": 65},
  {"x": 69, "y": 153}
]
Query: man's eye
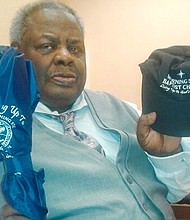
[
  {"x": 73, "y": 49},
  {"x": 46, "y": 48}
]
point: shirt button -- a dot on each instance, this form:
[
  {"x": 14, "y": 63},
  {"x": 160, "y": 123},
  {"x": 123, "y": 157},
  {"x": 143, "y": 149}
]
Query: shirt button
[
  {"x": 183, "y": 160},
  {"x": 129, "y": 180},
  {"x": 145, "y": 206}
]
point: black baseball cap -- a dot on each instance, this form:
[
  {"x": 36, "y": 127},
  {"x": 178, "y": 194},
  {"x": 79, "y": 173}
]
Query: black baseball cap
[{"x": 166, "y": 89}]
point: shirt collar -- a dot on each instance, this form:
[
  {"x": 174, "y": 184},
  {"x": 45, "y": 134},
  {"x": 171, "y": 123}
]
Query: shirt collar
[{"x": 78, "y": 104}]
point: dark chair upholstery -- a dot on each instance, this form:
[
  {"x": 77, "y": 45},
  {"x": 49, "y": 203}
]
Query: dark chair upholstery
[{"x": 182, "y": 209}]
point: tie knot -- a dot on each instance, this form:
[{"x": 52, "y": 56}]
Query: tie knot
[
  {"x": 67, "y": 117},
  {"x": 67, "y": 120}
]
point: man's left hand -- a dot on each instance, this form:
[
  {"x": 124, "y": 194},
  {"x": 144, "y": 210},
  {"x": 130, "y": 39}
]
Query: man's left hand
[{"x": 152, "y": 141}]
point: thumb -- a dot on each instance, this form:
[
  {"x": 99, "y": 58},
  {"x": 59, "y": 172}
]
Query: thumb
[
  {"x": 147, "y": 119},
  {"x": 144, "y": 122},
  {"x": 143, "y": 127}
]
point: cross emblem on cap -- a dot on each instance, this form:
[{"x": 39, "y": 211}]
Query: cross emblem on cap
[{"x": 181, "y": 74}]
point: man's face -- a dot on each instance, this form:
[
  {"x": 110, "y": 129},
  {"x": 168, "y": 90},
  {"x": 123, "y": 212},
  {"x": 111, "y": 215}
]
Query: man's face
[{"x": 55, "y": 44}]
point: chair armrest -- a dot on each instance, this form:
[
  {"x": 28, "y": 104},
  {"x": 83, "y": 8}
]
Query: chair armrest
[{"x": 181, "y": 211}]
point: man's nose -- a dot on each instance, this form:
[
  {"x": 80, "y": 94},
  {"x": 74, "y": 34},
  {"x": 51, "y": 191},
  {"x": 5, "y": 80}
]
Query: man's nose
[{"x": 63, "y": 56}]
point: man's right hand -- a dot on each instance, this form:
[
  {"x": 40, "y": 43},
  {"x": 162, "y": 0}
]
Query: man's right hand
[{"x": 8, "y": 213}]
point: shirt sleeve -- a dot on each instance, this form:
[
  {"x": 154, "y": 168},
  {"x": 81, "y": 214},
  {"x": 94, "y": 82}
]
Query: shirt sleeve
[{"x": 174, "y": 172}]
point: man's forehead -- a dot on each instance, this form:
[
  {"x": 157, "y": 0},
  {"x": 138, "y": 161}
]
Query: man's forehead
[
  {"x": 50, "y": 14},
  {"x": 52, "y": 19},
  {"x": 72, "y": 39},
  {"x": 52, "y": 24}
]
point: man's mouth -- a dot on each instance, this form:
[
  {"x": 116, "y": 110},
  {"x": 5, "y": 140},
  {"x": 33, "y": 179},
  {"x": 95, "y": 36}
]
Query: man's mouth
[{"x": 64, "y": 79}]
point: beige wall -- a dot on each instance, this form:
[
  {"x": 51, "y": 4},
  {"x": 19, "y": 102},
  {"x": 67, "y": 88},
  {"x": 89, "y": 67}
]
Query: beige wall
[{"x": 119, "y": 35}]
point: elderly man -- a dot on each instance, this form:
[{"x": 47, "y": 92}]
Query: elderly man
[{"x": 118, "y": 182}]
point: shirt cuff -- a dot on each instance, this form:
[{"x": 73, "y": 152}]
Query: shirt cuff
[{"x": 174, "y": 162}]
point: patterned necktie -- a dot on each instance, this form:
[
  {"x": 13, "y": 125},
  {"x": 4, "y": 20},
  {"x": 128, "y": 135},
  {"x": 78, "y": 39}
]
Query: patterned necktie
[{"x": 67, "y": 120}]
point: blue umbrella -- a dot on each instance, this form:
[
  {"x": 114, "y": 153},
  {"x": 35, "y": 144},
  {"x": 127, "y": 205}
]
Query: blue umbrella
[{"x": 22, "y": 187}]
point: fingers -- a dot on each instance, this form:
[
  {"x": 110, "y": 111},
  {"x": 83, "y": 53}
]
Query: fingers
[{"x": 8, "y": 213}]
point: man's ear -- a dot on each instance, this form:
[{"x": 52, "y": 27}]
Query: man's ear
[{"x": 15, "y": 44}]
